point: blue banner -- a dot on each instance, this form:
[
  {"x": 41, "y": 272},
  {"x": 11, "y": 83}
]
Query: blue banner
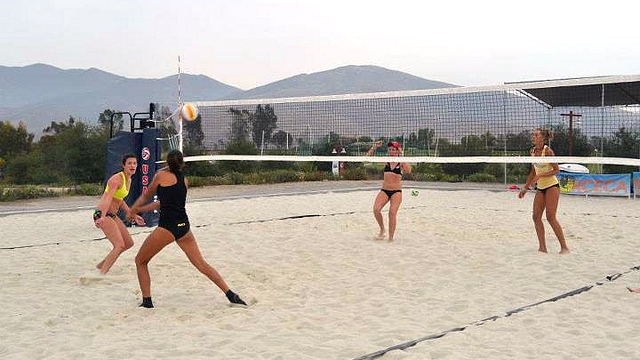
[
  {"x": 636, "y": 184},
  {"x": 588, "y": 184},
  {"x": 145, "y": 146},
  {"x": 149, "y": 154}
]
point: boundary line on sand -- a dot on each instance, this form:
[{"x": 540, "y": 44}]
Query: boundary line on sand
[
  {"x": 411, "y": 343},
  {"x": 426, "y": 186},
  {"x": 293, "y": 217}
]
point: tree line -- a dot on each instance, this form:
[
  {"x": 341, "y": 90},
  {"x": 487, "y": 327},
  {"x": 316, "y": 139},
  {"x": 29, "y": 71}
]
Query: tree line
[
  {"x": 73, "y": 152},
  {"x": 68, "y": 152}
]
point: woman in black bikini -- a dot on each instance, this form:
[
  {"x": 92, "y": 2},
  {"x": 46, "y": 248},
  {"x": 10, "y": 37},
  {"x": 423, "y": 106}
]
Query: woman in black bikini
[
  {"x": 171, "y": 186},
  {"x": 391, "y": 188}
]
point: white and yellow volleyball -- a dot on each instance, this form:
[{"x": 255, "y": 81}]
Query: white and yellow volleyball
[{"x": 189, "y": 112}]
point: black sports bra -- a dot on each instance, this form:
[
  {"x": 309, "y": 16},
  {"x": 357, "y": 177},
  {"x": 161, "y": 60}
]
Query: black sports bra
[{"x": 395, "y": 170}]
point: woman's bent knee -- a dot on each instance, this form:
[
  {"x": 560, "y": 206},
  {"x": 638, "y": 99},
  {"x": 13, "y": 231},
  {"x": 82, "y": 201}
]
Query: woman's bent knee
[
  {"x": 140, "y": 261},
  {"x": 120, "y": 248}
]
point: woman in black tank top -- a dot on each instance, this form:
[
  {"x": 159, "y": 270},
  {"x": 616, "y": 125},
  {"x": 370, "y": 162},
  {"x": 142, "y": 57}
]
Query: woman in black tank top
[
  {"x": 173, "y": 216},
  {"x": 171, "y": 187}
]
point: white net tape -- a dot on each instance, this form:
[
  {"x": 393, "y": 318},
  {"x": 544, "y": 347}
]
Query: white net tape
[{"x": 425, "y": 159}]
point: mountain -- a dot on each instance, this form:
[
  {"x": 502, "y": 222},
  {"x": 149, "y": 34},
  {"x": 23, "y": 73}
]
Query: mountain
[
  {"x": 343, "y": 80},
  {"x": 38, "y": 94}
]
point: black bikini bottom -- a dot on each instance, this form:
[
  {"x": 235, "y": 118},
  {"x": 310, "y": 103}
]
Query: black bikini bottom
[
  {"x": 98, "y": 214},
  {"x": 544, "y": 191},
  {"x": 390, "y": 192}
]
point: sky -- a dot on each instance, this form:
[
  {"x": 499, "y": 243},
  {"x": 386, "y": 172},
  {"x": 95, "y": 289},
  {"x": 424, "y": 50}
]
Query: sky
[{"x": 247, "y": 43}]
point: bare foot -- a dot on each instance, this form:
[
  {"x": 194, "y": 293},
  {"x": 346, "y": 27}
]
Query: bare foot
[
  {"x": 390, "y": 239},
  {"x": 633, "y": 290},
  {"x": 542, "y": 250},
  {"x": 564, "y": 251},
  {"x": 380, "y": 236}
]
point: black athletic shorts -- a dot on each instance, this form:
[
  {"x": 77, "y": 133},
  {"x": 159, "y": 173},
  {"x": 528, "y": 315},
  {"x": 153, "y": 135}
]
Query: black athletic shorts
[{"x": 178, "y": 228}]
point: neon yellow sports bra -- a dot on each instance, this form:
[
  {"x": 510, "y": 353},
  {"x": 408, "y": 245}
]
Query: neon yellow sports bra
[
  {"x": 121, "y": 192},
  {"x": 547, "y": 181}
]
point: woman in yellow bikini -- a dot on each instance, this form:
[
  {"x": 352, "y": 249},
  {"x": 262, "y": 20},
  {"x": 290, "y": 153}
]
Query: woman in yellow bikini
[
  {"x": 543, "y": 175},
  {"x": 106, "y": 217},
  {"x": 391, "y": 188}
]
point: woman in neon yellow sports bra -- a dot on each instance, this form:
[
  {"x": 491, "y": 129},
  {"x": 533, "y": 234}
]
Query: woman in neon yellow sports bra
[
  {"x": 543, "y": 175},
  {"x": 106, "y": 217}
]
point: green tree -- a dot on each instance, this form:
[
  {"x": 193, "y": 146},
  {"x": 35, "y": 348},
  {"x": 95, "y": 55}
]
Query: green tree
[
  {"x": 560, "y": 143},
  {"x": 74, "y": 151},
  {"x": 327, "y": 144},
  {"x": 325, "y": 147},
  {"x": 240, "y": 148},
  {"x": 474, "y": 145},
  {"x": 424, "y": 139},
  {"x": 29, "y": 168},
  {"x": 282, "y": 138},
  {"x": 14, "y": 140},
  {"x": 471, "y": 145},
  {"x": 240, "y": 125},
  {"x": 519, "y": 143},
  {"x": 104, "y": 119},
  {"x": 443, "y": 147},
  {"x": 263, "y": 123},
  {"x": 239, "y": 143},
  {"x": 623, "y": 143},
  {"x": 305, "y": 146},
  {"x": 194, "y": 136}
]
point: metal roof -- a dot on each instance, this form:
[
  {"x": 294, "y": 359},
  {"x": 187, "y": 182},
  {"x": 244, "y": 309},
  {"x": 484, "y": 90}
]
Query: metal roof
[{"x": 617, "y": 90}]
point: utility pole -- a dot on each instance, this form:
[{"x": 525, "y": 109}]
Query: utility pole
[{"x": 571, "y": 115}]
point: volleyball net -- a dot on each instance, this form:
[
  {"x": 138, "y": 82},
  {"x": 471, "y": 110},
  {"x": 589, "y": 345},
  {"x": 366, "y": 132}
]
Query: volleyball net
[{"x": 594, "y": 120}]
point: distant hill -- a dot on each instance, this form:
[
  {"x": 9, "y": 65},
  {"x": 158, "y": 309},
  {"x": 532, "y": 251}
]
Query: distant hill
[
  {"x": 343, "y": 80},
  {"x": 38, "y": 94}
]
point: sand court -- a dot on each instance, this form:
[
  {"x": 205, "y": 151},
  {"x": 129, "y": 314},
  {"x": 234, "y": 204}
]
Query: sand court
[{"x": 321, "y": 287}]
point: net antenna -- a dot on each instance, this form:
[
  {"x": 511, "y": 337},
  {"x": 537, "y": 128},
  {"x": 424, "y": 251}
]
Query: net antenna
[
  {"x": 180, "y": 143},
  {"x": 175, "y": 141}
]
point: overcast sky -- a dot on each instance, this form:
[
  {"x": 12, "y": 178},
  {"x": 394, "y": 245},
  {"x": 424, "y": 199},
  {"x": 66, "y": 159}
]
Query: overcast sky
[{"x": 248, "y": 43}]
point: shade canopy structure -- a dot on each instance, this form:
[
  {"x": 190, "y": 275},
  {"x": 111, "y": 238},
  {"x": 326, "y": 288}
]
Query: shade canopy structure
[{"x": 590, "y": 91}]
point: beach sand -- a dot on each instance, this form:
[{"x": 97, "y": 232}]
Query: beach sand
[{"x": 321, "y": 287}]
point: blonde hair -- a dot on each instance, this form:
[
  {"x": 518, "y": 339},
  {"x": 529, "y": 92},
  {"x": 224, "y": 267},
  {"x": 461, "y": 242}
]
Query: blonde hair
[{"x": 548, "y": 134}]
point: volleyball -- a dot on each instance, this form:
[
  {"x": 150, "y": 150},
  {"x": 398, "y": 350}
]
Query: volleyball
[
  {"x": 189, "y": 112},
  {"x": 415, "y": 192}
]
